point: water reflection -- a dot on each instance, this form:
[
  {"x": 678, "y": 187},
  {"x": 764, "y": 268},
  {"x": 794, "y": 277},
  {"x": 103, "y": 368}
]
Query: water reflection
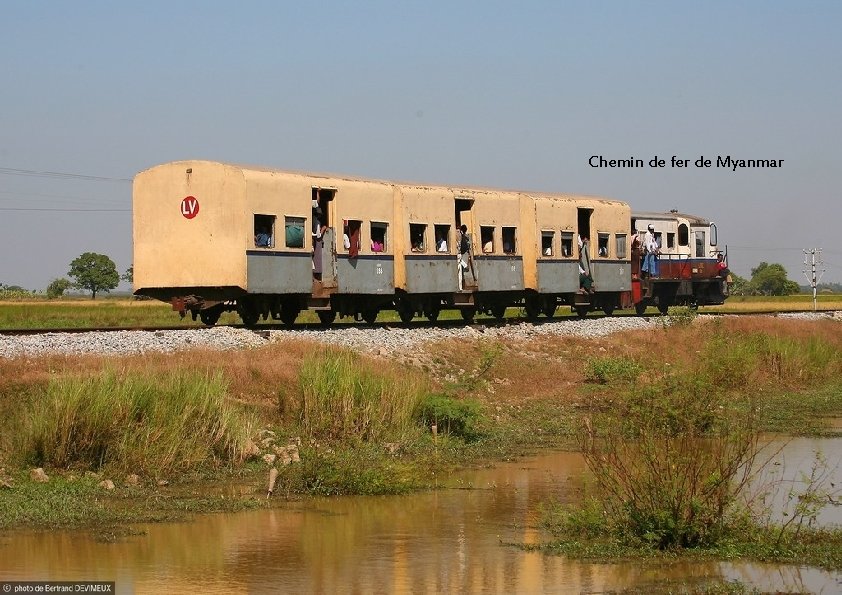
[{"x": 451, "y": 540}]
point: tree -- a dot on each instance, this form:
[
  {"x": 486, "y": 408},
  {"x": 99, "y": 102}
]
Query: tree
[
  {"x": 770, "y": 279},
  {"x": 57, "y": 287},
  {"x": 739, "y": 285},
  {"x": 94, "y": 272},
  {"x": 128, "y": 276}
]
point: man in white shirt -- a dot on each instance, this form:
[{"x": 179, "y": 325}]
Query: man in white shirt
[{"x": 650, "y": 251}]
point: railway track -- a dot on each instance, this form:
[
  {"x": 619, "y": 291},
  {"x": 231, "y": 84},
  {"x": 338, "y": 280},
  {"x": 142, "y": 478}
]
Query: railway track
[{"x": 442, "y": 323}]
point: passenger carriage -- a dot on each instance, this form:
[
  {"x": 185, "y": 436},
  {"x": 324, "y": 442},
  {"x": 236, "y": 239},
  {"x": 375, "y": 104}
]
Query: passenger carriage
[{"x": 212, "y": 237}]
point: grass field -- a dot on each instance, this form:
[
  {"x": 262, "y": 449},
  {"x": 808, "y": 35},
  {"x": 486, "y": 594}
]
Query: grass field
[{"x": 126, "y": 312}]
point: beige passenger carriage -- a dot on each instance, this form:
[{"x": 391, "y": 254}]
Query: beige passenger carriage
[{"x": 211, "y": 237}]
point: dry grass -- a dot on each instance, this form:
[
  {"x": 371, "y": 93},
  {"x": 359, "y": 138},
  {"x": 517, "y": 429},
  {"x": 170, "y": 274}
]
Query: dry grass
[
  {"x": 793, "y": 303},
  {"x": 517, "y": 372}
]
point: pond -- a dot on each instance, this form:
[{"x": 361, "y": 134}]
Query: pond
[{"x": 456, "y": 539}]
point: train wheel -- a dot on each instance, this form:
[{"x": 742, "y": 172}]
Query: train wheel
[
  {"x": 405, "y": 310},
  {"x": 609, "y": 310},
  {"x": 640, "y": 308},
  {"x": 406, "y": 315},
  {"x": 533, "y": 309},
  {"x": 581, "y": 311},
  {"x": 326, "y": 317},
  {"x": 288, "y": 316},
  {"x": 498, "y": 311},
  {"x": 370, "y": 315},
  {"x": 468, "y": 314},
  {"x": 210, "y": 316},
  {"x": 249, "y": 314},
  {"x": 663, "y": 308},
  {"x": 433, "y": 315},
  {"x": 550, "y": 307}
]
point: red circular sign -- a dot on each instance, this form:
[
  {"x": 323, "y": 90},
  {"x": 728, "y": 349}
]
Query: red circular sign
[{"x": 189, "y": 207}]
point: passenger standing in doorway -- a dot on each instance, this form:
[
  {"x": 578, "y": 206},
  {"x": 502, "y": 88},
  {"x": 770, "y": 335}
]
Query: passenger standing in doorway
[
  {"x": 319, "y": 229},
  {"x": 585, "y": 277},
  {"x": 464, "y": 243},
  {"x": 650, "y": 251}
]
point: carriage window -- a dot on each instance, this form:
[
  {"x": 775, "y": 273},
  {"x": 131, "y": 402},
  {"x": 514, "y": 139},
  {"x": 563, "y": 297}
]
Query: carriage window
[
  {"x": 567, "y": 243},
  {"x": 486, "y": 235},
  {"x": 700, "y": 244},
  {"x": 713, "y": 239},
  {"x": 547, "y": 238},
  {"x": 670, "y": 240},
  {"x": 621, "y": 245},
  {"x": 378, "y": 237},
  {"x": 683, "y": 235},
  {"x": 602, "y": 244},
  {"x": 351, "y": 234},
  {"x": 659, "y": 237},
  {"x": 294, "y": 232},
  {"x": 442, "y": 237},
  {"x": 509, "y": 240},
  {"x": 417, "y": 234},
  {"x": 264, "y": 231}
]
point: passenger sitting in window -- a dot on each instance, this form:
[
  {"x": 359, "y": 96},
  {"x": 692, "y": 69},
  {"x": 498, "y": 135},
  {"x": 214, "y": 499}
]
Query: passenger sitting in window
[
  {"x": 417, "y": 245},
  {"x": 262, "y": 239},
  {"x": 508, "y": 248},
  {"x": 376, "y": 246},
  {"x": 603, "y": 251},
  {"x": 441, "y": 244}
]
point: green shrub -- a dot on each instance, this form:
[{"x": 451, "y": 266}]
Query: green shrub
[
  {"x": 608, "y": 369},
  {"x": 457, "y": 417},
  {"x": 669, "y": 464},
  {"x": 57, "y": 287},
  {"x": 143, "y": 423},
  {"x": 345, "y": 396},
  {"x": 733, "y": 360}
]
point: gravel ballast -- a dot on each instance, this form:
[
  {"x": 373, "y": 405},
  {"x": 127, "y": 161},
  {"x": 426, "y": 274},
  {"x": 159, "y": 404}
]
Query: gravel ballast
[{"x": 379, "y": 340}]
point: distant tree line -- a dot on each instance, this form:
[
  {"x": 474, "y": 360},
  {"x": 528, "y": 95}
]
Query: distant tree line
[
  {"x": 90, "y": 271},
  {"x": 766, "y": 279}
]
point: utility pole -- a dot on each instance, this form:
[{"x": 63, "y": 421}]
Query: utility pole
[{"x": 811, "y": 259}]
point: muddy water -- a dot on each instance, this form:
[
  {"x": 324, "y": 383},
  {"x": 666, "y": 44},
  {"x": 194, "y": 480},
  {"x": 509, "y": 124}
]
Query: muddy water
[{"x": 451, "y": 540}]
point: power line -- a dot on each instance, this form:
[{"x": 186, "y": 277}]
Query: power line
[
  {"x": 65, "y": 210},
  {"x": 58, "y": 175}
]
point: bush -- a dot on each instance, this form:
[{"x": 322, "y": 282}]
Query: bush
[
  {"x": 451, "y": 416},
  {"x": 346, "y": 396},
  {"x": 137, "y": 422},
  {"x": 57, "y": 287},
  {"x": 669, "y": 464},
  {"x": 607, "y": 369}
]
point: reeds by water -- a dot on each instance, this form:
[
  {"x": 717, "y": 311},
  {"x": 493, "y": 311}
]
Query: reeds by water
[{"x": 133, "y": 421}]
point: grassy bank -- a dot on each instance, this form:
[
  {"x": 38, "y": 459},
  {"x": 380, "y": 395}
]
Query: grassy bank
[{"x": 361, "y": 425}]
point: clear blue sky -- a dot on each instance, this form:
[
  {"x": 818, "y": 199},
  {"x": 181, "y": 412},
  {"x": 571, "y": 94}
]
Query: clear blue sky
[{"x": 504, "y": 94}]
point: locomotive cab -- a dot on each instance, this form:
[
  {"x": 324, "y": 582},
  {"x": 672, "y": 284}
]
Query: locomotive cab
[{"x": 685, "y": 264}]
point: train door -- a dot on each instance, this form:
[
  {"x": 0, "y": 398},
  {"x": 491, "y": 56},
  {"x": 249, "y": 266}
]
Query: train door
[
  {"x": 464, "y": 215},
  {"x": 324, "y": 236},
  {"x": 584, "y": 228}
]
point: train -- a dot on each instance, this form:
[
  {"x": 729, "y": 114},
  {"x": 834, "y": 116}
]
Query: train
[{"x": 212, "y": 237}]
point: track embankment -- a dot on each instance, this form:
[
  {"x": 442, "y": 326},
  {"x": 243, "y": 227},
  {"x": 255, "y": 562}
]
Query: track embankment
[{"x": 382, "y": 340}]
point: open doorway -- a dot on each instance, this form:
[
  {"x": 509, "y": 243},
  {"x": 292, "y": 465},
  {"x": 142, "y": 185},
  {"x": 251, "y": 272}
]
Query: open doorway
[
  {"x": 464, "y": 214},
  {"x": 321, "y": 199},
  {"x": 584, "y": 223}
]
